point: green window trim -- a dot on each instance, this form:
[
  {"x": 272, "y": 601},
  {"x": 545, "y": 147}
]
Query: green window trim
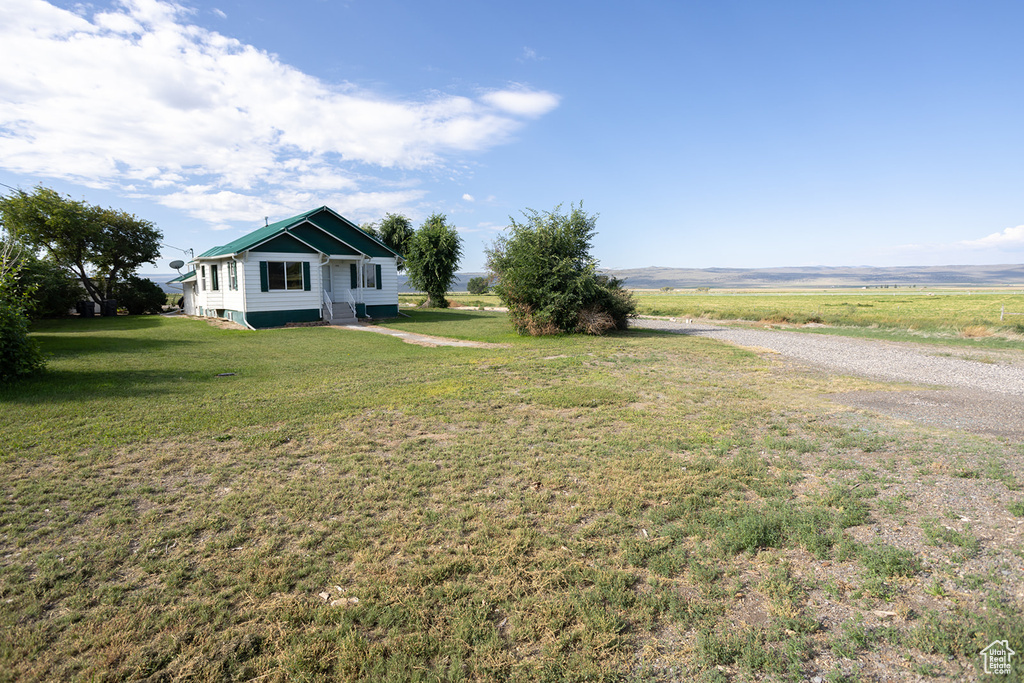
[
  {"x": 378, "y": 269},
  {"x": 214, "y": 281}
]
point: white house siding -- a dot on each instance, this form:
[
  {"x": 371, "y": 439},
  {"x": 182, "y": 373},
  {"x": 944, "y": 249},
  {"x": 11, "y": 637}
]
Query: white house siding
[
  {"x": 188, "y": 294},
  {"x": 291, "y": 300},
  {"x": 388, "y": 293},
  {"x": 234, "y": 299},
  {"x": 213, "y": 301}
]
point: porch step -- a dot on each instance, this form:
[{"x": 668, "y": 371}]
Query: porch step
[{"x": 343, "y": 315}]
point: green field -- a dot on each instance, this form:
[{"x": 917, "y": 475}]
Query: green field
[
  {"x": 933, "y": 316},
  {"x": 902, "y": 309},
  {"x": 345, "y": 506}
]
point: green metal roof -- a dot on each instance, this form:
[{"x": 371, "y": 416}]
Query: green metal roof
[
  {"x": 337, "y": 227},
  {"x": 182, "y": 278}
]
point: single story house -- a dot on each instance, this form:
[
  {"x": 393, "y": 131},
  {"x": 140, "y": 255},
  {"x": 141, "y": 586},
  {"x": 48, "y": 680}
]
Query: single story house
[{"x": 314, "y": 266}]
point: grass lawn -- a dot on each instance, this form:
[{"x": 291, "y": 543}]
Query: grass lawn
[{"x": 345, "y": 506}]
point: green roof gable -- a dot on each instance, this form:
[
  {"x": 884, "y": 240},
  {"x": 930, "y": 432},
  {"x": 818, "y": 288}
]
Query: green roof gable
[
  {"x": 321, "y": 229},
  {"x": 286, "y": 243}
]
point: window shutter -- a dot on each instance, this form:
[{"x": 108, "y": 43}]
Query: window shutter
[
  {"x": 306, "y": 284},
  {"x": 379, "y": 286},
  {"x": 213, "y": 276},
  {"x": 355, "y": 276},
  {"x": 264, "y": 278}
]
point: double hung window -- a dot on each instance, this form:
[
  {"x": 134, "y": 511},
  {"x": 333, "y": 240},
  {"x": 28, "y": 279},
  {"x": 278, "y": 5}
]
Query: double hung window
[{"x": 284, "y": 275}]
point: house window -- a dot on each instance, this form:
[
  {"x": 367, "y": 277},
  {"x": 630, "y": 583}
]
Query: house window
[
  {"x": 202, "y": 278},
  {"x": 232, "y": 275},
  {"x": 370, "y": 276},
  {"x": 214, "y": 283},
  {"x": 284, "y": 275}
]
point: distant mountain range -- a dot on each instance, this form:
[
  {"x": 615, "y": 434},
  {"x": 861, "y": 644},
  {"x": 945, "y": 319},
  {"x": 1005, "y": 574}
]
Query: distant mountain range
[
  {"x": 823, "y": 276},
  {"x": 813, "y": 277}
]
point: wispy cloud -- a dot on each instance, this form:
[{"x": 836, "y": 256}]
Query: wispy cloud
[
  {"x": 529, "y": 55},
  {"x": 998, "y": 245},
  {"x": 468, "y": 198},
  {"x": 139, "y": 98},
  {"x": 1010, "y": 237}
]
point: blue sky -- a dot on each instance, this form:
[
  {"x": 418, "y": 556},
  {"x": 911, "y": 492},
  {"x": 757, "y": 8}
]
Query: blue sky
[{"x": 705, "y": 134}]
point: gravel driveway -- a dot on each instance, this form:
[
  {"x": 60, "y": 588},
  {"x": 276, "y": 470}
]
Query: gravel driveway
[{"x": 984, "y": 396}]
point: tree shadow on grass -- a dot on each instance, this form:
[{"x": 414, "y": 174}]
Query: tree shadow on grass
[
  {"x": 436, "y": 315},
  {"x": 72, "y": 324},
  {"x": 646, "y": 333},
  {"x": 60, "y": 386},
  {"x": 64, "y": 345}
]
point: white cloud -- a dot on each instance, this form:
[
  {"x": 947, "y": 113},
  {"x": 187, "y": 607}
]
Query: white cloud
[
  {"x": 1010, "y": 237},
  {"x": 998, "y": 247},
  {"x": 139, "y": 97},
  {"x": 468, "y": 198},
  {"x": 522, "y": 102}
]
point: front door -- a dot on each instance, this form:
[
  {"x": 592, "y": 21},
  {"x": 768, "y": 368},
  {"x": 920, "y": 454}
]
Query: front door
[
  {"x": 341, "y": 278},
  {"x": 325, "y": 275}
]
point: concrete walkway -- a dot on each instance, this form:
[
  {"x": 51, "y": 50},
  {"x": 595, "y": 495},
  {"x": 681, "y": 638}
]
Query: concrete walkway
[{"x": 419, "y": 339}]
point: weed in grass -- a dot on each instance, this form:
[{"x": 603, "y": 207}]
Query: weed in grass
[
  {"x": 840, "y": 676},
  {"x": 848, "y": 501},
  {"x": 938, "y": 534},
  {"x": 883, "y": 561},
  {"x": 834, "y": 463},
  {"x": 927, "y": 669},
  {"x": 1016, "y": 508},
  {"x": 894, "y": 504}
]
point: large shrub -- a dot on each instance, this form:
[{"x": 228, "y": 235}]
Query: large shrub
[
  {"x": 548, "y": 279},
  {"x": 432, "y": 259},
  {"x": 478, "y": 285},
  {"x": 19, "y": 354},
  {"x": 139, "y": 295}
]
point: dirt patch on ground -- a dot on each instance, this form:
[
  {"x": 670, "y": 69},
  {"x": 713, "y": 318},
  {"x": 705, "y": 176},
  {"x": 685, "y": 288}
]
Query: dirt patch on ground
[{"x": 977, "y": 412}]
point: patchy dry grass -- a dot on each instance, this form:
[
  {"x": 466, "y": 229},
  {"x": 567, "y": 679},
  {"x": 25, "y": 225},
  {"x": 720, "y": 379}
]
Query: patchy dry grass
[{"x": 350, "y": 507}]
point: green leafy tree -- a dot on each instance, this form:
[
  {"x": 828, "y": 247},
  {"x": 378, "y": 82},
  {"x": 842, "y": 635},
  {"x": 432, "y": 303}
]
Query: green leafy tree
[
  {"x": 98, "y": 246},
  {"x": 548, "y": 279},
  {"x": 397, "y": 232},
  {"x": 432, "y": 259},
  {"x": 46, "y": 289},
  {"x": 478, "y": 285},
  {"x": 54, "y": 291},
  {"x": 370, "y": 228},
  {"x": 140, "y": 295},
  {"x": 19, "y": 353}
]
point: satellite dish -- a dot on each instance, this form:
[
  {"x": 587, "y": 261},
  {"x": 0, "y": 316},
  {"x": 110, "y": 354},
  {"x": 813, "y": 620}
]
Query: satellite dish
[{"x": 177, "y": 264}]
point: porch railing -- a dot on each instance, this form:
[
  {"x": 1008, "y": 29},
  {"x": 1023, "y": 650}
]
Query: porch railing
[
  {"x": 326, "y": 303},
  {"x": 351, "y": 301}
]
